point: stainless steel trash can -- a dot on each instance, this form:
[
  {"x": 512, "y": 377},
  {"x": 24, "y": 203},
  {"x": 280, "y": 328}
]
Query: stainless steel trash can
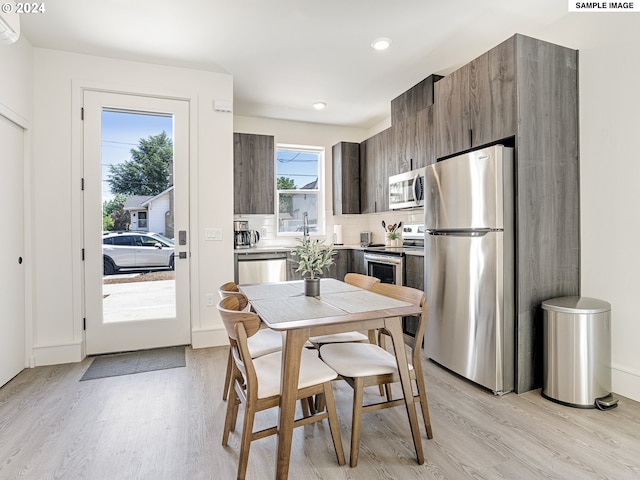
[{"x": 577, "y": 352}]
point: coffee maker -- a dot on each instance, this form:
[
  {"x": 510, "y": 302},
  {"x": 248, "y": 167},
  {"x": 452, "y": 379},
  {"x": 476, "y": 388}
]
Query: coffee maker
[{"x": 242, "y": 236}]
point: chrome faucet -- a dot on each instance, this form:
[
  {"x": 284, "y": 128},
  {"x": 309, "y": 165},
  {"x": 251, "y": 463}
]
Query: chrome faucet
[{"x": 305, "y": 227}]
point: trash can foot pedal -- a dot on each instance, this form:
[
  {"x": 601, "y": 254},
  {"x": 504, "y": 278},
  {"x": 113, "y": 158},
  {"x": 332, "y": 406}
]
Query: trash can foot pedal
[{"x": 607, "y": 403}]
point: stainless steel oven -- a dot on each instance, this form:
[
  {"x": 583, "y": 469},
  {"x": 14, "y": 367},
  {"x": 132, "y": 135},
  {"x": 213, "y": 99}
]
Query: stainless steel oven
[{"x": 388, "y": 267}]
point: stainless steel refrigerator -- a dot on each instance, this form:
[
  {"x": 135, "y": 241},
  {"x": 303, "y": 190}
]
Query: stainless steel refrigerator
[{"x": 469, "y": 261}]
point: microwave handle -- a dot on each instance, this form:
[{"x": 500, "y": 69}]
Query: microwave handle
[{"x": 416, "y": 186}]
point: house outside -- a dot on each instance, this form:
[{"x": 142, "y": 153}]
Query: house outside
[{"x": 152, "y": 213}]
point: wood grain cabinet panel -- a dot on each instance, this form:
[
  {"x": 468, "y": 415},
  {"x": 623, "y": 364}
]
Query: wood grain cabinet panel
[
  {"x": 476, "y": 104},
  {"x": 374, "y": 172},
  {"x": 253, "y": 174},
  {"x": 346, "y": 178}
]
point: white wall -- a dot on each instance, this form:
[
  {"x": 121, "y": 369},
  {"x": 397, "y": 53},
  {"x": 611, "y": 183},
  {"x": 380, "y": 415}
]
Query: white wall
[{"x": 57, "y": 156}]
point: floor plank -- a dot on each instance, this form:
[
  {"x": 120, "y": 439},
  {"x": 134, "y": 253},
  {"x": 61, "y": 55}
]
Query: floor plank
[{"x": 168, "y": 425}]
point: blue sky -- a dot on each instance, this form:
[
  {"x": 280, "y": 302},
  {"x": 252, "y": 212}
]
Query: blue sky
[{"x": 121, "y": 132}]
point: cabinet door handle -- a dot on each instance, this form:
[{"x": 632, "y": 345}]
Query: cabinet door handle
[{"x": 470, "y": 137}]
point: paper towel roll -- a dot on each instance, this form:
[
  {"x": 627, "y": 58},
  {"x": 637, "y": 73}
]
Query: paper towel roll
[{"x": 337, "y": 234}]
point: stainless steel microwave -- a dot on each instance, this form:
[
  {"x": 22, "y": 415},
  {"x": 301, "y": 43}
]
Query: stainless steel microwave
[{"x": 406, "y": 190}]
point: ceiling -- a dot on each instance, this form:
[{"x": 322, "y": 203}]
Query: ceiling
[{"x": 285, "y": 55}]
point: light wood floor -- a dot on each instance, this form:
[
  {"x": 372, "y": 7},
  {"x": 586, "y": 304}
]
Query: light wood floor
[{"x": 168, "y": 425}]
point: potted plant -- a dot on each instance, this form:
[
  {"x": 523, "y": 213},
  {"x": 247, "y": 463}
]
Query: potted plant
[
  {"x": 313, "y": 258},
  {"x": 393, "y": 239}
]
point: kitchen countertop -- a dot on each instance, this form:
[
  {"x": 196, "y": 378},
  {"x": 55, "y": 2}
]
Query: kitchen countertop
[{"x": 274, "y": 248}]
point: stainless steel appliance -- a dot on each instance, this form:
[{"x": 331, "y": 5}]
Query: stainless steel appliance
[
  {"x": 365, "y": 239},
  {"x": 406, "y": 190},
  {"x": 470, "y": 266},
  {"x": 243, "y": 237},
  {"x": 387, "y": 263},
  {"x": 259, "y": 267}
]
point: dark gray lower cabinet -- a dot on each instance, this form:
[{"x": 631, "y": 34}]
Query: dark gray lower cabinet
[
  {"x": 413, "y": 277},
  {"x": 356, "y": 262}
]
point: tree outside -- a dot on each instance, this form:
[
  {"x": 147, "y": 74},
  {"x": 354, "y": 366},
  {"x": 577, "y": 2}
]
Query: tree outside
[
  {"x": 286, "y": 200},
  {"x": 149, "y": 171}
]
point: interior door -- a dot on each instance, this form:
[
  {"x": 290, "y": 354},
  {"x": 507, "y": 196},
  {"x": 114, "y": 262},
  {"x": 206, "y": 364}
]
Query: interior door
[
  {"x": 143, "y": 306},
  {"x": 12, "y": 321}
]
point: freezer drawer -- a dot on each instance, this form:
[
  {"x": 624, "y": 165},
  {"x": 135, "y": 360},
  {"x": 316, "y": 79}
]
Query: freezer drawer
[{"x": 470, "y": 325}]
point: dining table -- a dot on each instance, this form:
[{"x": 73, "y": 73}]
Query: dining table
[{"x": 340, "y": 307}]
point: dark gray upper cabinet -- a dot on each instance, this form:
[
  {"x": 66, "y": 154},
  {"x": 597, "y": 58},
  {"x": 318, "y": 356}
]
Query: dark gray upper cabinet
[
  {"x": 253, "y": 173},
  {"x": 374, "y": 172},
  {"x": 414, "y": 100},
  {"x": 346, "y": 178},
  {"x": 476, "y": 104},
  {"x": 413, "y": 142}
]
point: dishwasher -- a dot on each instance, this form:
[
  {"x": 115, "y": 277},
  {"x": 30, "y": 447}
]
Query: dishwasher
[{"x": 259, "y": 267}]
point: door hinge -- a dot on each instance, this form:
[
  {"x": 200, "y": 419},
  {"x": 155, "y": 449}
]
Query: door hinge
[
  {"x": 81, "y": 113},
  {"x": 84, "y": 323},
  {"x": 83, "y": 254},
  {"x": 82, "y": 184}
]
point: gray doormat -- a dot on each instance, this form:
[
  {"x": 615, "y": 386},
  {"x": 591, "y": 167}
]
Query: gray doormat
[{"x": 117, "y": 364}]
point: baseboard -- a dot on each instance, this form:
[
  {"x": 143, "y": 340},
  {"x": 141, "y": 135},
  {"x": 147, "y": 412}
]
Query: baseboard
[
  {"x": 211, "y": 337},
  {"x": 57, "y": 354},
  {"x": 625, "y": 381}
]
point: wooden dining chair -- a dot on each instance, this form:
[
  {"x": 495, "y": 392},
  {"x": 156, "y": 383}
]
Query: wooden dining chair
[
  {"x": 256, "y": 383},
  {"x": 358, "y": 280},
  {"x": 365, "y": 364},
  {"x": 265, "y": 341}
]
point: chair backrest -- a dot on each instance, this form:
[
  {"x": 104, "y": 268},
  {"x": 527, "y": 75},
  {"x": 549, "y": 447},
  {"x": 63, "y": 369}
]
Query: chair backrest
[
  {"x": 231, "y": 311},
  {"x": 415, "y": 297},
  {"x": 362, "y": 281},
  {"x": 230, "y": 289},
  {"x": 240, "y": 325}
]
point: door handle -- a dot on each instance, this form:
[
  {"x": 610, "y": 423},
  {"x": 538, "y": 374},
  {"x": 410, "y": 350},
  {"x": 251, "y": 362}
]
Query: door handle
[{"x": 182, "y": 255}]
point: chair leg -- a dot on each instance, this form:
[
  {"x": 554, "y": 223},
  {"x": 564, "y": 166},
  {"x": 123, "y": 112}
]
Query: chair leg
[
  {"x": 422, "y": 392},
  {"x": 334, "y": 426},
  {"x": 373, "y": 341},
  {"x": 230, "y": 417},
  {"x": 245, "y": 443},
  {"x": 356, "y": 421},
  {"x": 227, "y": 378}
]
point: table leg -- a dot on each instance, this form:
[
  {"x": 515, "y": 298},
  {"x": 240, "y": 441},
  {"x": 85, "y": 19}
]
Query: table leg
[
  {"x": 394, "y": 327},
  {"x": 291, "y": 351}
]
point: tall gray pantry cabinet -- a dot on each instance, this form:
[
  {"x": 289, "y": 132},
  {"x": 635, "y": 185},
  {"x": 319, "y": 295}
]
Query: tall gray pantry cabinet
[{"x": 525, "y": 92}]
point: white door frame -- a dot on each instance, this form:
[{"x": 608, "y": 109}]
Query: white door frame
[{"x": 100, "y": 337}]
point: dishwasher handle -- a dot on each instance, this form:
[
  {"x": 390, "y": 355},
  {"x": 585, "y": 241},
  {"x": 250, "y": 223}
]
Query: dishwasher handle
[{"x": 255, "y": 256}]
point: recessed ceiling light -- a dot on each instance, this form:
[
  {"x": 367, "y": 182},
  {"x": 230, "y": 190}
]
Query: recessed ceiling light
[
  {"x": 319, "y": 105},
  {"x": 381, "y": 43}
]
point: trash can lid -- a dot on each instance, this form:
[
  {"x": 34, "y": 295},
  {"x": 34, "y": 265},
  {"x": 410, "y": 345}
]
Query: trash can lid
[{"x": 576, "y": 304}]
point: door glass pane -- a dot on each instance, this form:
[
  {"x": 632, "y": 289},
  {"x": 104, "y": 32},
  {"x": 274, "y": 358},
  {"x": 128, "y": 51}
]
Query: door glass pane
[{"x": 137, "y": 216}]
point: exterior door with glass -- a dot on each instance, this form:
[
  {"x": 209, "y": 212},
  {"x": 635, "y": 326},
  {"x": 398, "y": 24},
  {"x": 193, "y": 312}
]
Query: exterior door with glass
[{"x": 136, "y": 212}]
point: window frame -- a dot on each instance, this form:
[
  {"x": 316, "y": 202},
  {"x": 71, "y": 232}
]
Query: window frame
[{"x": 319, "y": 191}]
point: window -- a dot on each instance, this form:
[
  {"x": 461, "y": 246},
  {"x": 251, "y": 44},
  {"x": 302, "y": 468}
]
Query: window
[
  {"x": 299, "y": 188},
  {"x": 142, "y": 220}
]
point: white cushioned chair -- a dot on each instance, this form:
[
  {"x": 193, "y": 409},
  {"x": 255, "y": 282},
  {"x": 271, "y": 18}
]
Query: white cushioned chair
[
  {"x": 365, "y": 364},
  {"x": 255, "y": 383},
  {"x": 265, "y": 340}
]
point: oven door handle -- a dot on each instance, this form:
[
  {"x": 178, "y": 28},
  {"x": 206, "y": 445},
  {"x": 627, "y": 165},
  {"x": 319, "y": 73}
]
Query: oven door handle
[{"x": 383, "y": 259}]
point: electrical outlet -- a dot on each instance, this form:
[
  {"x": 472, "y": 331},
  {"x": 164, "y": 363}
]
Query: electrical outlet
[
  {"x": 211, "y": 299},
  {"x": 263, "y": 231}
]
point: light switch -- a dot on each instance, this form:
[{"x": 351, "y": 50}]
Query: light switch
[{"x": 213, "y": 234}]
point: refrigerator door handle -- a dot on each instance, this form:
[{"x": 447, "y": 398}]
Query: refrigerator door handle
[{"x": 475, "y": 233}]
